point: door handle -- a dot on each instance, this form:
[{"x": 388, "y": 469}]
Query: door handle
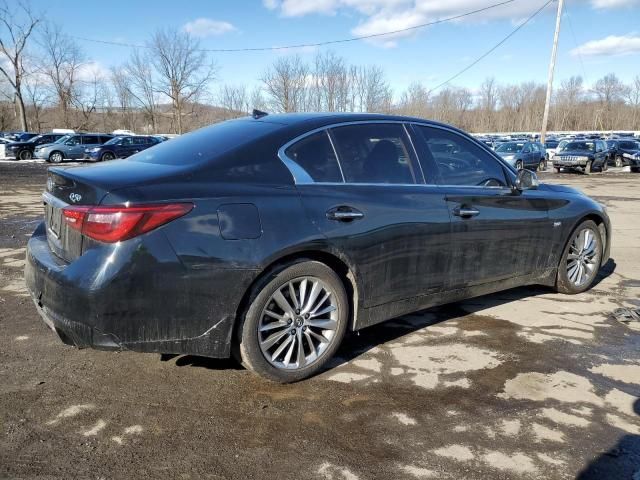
[
  {"x": 344, "y": 214},
  {"x": 465, "y": 212}
]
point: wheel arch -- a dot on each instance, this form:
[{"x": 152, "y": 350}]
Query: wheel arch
[{"x": 339, "y": 265}]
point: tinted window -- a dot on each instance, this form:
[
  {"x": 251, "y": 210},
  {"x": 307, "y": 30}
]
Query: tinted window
[
  {"x": 315, "y": 155},
  {"x": 127, "y": 141},
  {"x": 91, "y": 140},
  {"x": 374, "y": 153},
  {"x": 460, "y": 161},
  {"x": 207, "y": 143},
  {"x": 510, "y": 147},
  {"x": 75, "y": 140},
  {"x": 629, "y": 145}
]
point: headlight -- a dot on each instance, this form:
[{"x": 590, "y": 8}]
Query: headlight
[{"x": 582, "y": 158}]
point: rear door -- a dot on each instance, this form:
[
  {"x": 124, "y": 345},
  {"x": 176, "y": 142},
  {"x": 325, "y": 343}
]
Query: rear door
[
  {"x": 363, "y": 188},
  {"x": 495, "y": 233}
]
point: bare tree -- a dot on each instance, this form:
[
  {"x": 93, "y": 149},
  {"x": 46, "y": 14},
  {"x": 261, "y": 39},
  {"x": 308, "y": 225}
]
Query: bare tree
[
  {"x": 62, "y": 62},
  {"x": 121, "y": 82},
  {"x": 143, "y": 86},
  {"x": 633, "y": 100},
  {"x": 285, "y": 83},
  {"x": 234, "y": 99},
  {"x": 13, "y": 42},
  {"x": 182, "y": 69}
]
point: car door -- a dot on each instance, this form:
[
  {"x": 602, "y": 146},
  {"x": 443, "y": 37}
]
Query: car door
[
  {"x": 527, "y": 155},
  {"x": 496, "y": 233},
  {"x": 362, "y": 186},
  {"x": 73, "y": 147}
]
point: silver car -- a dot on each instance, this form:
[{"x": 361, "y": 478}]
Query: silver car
[{"x": 70, "y": 147}]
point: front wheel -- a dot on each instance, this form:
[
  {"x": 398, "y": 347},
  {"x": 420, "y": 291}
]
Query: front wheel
[
  {"x": 580, "y": 260},
  {"x": 56, "y": 157},
  {"x": 605, "y": 166},
  {"x": 25, "y": 155},
  {"x": 587, "y": 167},
  {"x": 107, "y": 156},
  {"x": 541, "y": 166},
  {"x": 519, "y": 165},
  {"x": 557, "y": 169},
  {"x": 295, "y": 322},
  {"x": 619, "y": 162}
]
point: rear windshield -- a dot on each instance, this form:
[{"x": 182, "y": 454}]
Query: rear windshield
[{"x": 207, "y": 143}]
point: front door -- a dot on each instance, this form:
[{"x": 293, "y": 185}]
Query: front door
[
  {"x": 371, "y": 203},
  {"x": 495, "y": 233}
]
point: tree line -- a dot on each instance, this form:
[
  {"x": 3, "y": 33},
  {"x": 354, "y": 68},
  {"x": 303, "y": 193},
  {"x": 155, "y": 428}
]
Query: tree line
[{"x": 169, "y": 86}]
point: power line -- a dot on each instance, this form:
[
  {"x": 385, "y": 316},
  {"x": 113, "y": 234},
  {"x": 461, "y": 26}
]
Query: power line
[
  {"x": 317, "y": 44},
  {"x": 492, "y": 49}
]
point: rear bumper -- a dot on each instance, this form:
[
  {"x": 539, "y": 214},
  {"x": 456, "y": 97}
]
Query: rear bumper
[{"x": 142, "y": 299}]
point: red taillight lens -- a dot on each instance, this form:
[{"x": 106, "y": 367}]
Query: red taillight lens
[{"x": 116, "y": 223}]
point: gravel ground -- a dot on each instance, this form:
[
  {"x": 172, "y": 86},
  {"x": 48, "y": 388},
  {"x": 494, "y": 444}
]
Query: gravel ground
[{"x": 521, "y": 384}]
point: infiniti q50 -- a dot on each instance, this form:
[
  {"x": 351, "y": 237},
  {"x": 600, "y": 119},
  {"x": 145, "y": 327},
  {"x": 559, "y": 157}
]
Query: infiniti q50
[{"x": 271, "y": 236}]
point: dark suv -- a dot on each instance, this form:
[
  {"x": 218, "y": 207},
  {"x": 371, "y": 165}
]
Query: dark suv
[
  {"x": 585, "y": 155},
  {"x": 618, "y": 148},
  {"x": 120, "y": 147},
  {"x": 24, "y": 150}
]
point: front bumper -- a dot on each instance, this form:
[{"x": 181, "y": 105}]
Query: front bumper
[
  {"x": 42, "y": 154},
  {"x": 136, "y": 296},
  {"x": 561, "y": 162}
]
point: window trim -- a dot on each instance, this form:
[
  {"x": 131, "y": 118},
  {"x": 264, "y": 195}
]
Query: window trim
[{"x": 301, "y": 177}]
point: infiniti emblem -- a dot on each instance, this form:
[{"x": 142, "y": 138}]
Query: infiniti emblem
[{"x": 75, "y": 197}]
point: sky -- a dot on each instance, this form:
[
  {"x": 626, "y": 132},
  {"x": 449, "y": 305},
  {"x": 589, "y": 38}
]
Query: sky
[{"x": 597, "y": 36}]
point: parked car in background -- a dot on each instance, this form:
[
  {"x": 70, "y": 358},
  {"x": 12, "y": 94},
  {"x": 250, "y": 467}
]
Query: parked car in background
[
  {"x": 619, "y": 149},
  {"x": 70, "y": 147},
  {"x": 634, "y": 161},
  {"x": 543, "y": 154},
  {"x": 521, "y": 154},
  {"x": 550, "y": 146},
  {"x": 270, "y": 238},
  {"x": 24, "y": 150},
  {"x": 120, "y": 147},
  {"x": 585, "y": 155}
]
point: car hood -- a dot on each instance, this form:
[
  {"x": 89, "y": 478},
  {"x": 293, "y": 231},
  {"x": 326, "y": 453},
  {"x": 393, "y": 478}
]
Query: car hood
[
  {"x": 576, "y": 153},
  {"x": 45, "y": 145},
  {"x": 507, "y": 154}
]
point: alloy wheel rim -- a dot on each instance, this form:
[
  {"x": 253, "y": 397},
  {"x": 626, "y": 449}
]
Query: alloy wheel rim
[
  {"x": 56, "y": 157},
  {"x": 298, "y": 323},
  {"x": 582, "y": 257}
]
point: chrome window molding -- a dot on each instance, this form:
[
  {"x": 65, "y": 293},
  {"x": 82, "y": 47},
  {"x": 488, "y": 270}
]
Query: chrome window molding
[{"x": 301, "y": 177}]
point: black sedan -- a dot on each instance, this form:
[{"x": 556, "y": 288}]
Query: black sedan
[
  {"x": 271, "y": 237},
  {"x": 120, "y": 147}
]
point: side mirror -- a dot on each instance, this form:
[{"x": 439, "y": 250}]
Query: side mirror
[{"x": 526, "y": 180}]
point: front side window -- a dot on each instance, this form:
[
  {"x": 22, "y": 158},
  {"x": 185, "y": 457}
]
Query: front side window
[
  {"x": 375, "y": 153},
  {"x": 73, "y": 141},
  {"x": 316, "y": 156},
  {"x": 460, "y": 161}
]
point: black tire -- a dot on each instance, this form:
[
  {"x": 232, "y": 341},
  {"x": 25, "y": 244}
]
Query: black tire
[
  {"x": 107, "y": 156},
  {"x": 619, "y": 162},
  {"x": 24, "y": 155},
  {"x": 519, "y": 165},
  {"x": 249, "y": 350},
  {"x": 56, "y": 157},
  {"x": 587, "y": 167},
  {"x": 563, "y": 283},
  {"x": 557, "y": 169},
  {"x": 541, "y": 166},
  {"x": 605, "y": 166}
]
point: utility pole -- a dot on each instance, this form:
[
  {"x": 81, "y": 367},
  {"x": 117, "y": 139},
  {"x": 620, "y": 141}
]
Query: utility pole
[{"x": 552, "y": 66}]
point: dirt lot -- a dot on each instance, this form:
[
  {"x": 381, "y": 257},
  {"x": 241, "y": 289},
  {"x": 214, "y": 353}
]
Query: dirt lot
[{"x": 522, "y": 384}]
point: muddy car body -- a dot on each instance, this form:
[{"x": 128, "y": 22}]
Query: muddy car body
[{"x": 300, "y": 227}]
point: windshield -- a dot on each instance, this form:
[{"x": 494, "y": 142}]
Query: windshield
[
  {"x": 35, "y": 139},
  {"x": 114, "y": 141},
  {"x": 207, "y": 143},
  {"x": 510, "y": 147},
  {"x": 580, "y": 146},
  {"x": 63, "y": 139}
]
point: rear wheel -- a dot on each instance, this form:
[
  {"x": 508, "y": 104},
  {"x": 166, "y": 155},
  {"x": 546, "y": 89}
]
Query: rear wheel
[
  {"x": 605, "y": 166},
  {"x": 541, "y": 166},
  {"x": 56, "y": 157},
  {"x": 519, "y": 165},
  {"x": 295, "y": 322},
  {"x": 25, "y": 155},
  {"x": 557, "y": 169},
  {"x": 580, "y": 260}
]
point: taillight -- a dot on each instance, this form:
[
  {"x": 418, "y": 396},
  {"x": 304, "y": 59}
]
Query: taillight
[{"x": 116, "y": 223}]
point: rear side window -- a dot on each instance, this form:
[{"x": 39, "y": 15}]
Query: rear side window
[
  {"x": 460, "y": 161},
  {"x": 374, "y": 153},
  {"x": 316, "y": 156},
  {"x": 90, "y": 140}
]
